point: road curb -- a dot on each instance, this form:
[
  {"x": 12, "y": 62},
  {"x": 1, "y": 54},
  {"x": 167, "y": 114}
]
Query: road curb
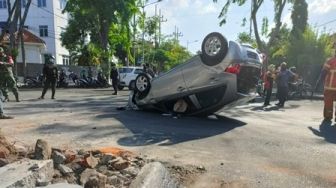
[{"x": 154, "y": 175}]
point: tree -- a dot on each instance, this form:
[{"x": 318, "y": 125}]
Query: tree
[
  {"x": 279, "y": 6},
  {"x": 169, "y": 54},
  {"x": 96, "y": 19},
  {"x": 14, "y": 24}
]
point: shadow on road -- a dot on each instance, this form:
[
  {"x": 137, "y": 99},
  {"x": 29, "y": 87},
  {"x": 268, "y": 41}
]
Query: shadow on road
[
  {"x": 326, "y": 131},
  {"x": 274, "y": 108},
  {"x": 153, "y": 128},
  {"x": 95, "y": 118}
]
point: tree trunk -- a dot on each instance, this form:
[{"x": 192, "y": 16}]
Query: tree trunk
[
  {"x": 255, "y": 8},
  {"x": 21, "y": 32},
  {"x": 278, "y": 23},
  {"x": 12, "y": 30}
]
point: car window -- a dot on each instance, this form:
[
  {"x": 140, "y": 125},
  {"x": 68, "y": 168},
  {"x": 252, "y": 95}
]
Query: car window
[
  {"x": 125, "y": 70},
  {"x": 137, "y": 71}
]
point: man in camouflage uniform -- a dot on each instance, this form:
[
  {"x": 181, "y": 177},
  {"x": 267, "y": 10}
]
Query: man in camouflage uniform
[
  {"x": 2, "y": 115},
  {"x": 7, "y": 79}
]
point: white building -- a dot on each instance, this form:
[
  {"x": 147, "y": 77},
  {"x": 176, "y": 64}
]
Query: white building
[{"x": 45, "y": 19}]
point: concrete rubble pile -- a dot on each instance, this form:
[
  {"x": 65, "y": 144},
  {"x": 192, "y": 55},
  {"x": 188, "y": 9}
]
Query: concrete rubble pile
[{"x": 98, "y": 168}]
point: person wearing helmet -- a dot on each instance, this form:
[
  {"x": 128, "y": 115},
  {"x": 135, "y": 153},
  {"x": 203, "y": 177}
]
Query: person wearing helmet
[
  {"x": 50, "y": 76},
  {"x": 7, "y": 79}
]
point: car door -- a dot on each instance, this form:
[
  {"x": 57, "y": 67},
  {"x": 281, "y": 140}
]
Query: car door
[{"x": 168, "y": 85}]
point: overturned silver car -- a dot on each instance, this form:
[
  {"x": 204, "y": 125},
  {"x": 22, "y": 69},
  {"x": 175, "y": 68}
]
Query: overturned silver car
[{"x": 224, "y": 75}]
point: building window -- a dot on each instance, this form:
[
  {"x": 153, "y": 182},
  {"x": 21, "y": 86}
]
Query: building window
[
  {"x": 43, "y": 30},
  {"x": 62, "y": 4},
  {"x": 23, "y": 3},
  {"x": 3, "y": 4},
  {"x": 41, "y": 3},
  {"x": 65, "y": 60}
]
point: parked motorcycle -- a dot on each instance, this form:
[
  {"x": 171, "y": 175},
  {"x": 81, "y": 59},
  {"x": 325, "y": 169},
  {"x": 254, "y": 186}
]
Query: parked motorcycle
[
  {"x": 62, "y": 80},
  {"x": 299, "y": 90},
  {"x": 34, "y": 82}
]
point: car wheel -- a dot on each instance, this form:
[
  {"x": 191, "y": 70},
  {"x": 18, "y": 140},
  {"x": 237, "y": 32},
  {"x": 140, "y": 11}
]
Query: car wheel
[
  {"x": 142, "y": 85},
  {"x": 214, "y": 49},
  {"x": 120, "y": 88},
  {"x": 131, "y": 85}
]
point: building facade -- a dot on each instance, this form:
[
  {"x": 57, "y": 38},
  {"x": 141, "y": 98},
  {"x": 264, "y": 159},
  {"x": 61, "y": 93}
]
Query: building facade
[{"x": 46, "y": 20}]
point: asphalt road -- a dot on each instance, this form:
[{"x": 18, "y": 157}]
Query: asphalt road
[{"x": 248, "y": 146}]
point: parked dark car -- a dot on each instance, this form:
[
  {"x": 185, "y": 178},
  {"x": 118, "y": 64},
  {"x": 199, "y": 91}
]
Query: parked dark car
[{"x": 224, "y": 74}]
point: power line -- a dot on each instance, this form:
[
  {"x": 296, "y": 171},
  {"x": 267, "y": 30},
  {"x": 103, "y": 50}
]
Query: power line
[
  {"x": 326, "y": 23},
  {"x": 49, "y": 11}
]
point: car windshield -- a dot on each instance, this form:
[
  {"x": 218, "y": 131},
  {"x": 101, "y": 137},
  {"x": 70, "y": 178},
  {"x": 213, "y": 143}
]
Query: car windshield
[
  {"x": 125, "y": 70},
  {"x": 137, "y": 71}
]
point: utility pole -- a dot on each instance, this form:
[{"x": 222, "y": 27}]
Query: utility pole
[
  {"x": 134, "y": 33},
  {"x": 161, "y": 20},
  {"x": 177, "y": 33}
]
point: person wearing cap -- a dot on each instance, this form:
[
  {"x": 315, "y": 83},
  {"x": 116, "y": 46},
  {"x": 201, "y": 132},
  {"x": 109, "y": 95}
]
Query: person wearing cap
[
  {"x": 282, "y": 80},
  {"x": 115, "y": 78},
  {"x": 50, "y": 76},
  {"x": 7, "y": 79},
  {"x": 328, "y": 75},
  {"x": 2, "y": 115}
]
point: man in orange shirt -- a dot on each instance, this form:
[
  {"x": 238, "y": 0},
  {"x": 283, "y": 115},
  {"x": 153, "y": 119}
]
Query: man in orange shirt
[{"x": 328, "y": 75}]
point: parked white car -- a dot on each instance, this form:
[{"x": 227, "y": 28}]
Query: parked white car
[{"x": 127, "y": 76}]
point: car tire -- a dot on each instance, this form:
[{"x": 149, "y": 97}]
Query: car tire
[
  {"x": 214, "y": 49},
  {"x": 142, "y": 85},
  {"x": 120, "y": 88},
  {"x": 131, "y": 85}
]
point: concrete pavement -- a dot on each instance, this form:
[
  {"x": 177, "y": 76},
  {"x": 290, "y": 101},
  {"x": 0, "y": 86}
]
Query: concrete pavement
[{"x": 248, "y": 146}]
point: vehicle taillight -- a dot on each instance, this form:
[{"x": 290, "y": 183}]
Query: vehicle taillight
[{"x": 234, "y": 69}]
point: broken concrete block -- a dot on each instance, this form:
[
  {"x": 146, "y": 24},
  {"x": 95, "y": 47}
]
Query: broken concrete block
[
  {"x": 3, "y": 162},
  {"x": 154, "y": 175},
  {"x": 63, "y": 185},
  {"x": 120, "y": 165},
  {"x": 106, "y": 158},
  {"x": 21, "y": 150},
  {"x": 58, "y": 157},
  {"x": 70, "y": 155},
  {"x": 85, "y": 176},
  {"x": 26, "y": 173},
  {"x": 42, "y": 150},
  {"x": 133, "y": 171},
  {"x": 115, "y": 181},
  {"x": 91, "y": 162},
  {"x": 64, "y": 169},
  {"x": 4, "y": 152}
]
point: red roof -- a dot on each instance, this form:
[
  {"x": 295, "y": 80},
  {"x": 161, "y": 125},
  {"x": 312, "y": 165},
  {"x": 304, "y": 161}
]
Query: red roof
[{"x": 27, "y": 37}]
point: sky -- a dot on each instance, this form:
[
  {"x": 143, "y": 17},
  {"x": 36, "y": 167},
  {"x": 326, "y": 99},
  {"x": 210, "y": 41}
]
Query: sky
[{"x": 196, "y": 18}]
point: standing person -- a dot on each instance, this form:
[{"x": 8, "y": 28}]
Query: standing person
[
  {"x": 282, "y": 79},
  {"x": 50, "y": 75},
  {"x": 2, "y": 115},
  {"x": 7, "y": 79},
  {"x": 328, "y": 75},
  {"x": 114, "y": 76},
  {"x": 268, "y": 85}
]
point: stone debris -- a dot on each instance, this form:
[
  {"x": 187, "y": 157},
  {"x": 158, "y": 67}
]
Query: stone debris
[
  {"x": 70, "y": 155},
  {"x": 91, "y": 161},
  {"x": 3, "y": 162},
  {"x": 108, "y": 167},
  {"x": 20, "y": 173},
  {"x": 42, "y": 150},
  {"x": 58, "y": 157},
  {"x": 64, "y": 169}
]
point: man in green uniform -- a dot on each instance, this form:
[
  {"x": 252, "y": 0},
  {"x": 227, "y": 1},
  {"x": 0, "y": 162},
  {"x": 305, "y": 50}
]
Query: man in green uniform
[
  {"x": 2, "y": 115},
  {"x": 7, "y": 79}
]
